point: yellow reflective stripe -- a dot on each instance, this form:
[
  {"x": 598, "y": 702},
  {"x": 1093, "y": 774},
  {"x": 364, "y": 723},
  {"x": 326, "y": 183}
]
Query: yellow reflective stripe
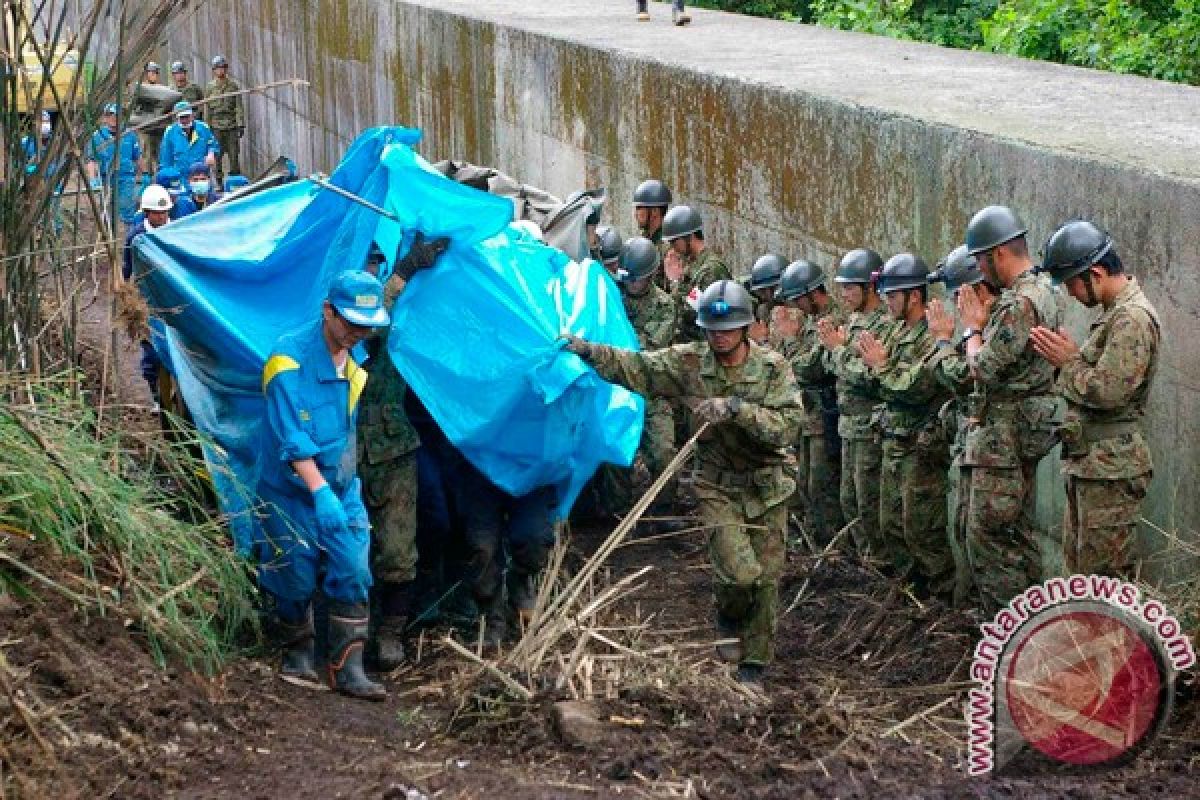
[
  {"x": 358, "y": 381},
  {"x": 276, "y": 365}
]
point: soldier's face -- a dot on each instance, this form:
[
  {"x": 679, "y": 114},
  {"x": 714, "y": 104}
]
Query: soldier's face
[
  {"x": 895, "y": 304},
  {"x": 725, "y": 343},
  {"x": 853, "y": 295},
  {"x": 220, "y": 72},
  {"x": 180, "y": 79},
  {"x": 1077, "y": 287},
  {"x": 152, "y": 77},
  {"x": 639, "y": 287},
  {"x": 648, "y": 219}
]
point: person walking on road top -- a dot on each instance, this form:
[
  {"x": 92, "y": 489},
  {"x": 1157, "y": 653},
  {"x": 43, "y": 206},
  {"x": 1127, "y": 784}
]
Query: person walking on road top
[{"x": 678, "y": 15}]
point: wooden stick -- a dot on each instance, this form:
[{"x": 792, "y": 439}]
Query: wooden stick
[
  {"x": 509, "y": 682},
  {"x": 899, "y": 726}
]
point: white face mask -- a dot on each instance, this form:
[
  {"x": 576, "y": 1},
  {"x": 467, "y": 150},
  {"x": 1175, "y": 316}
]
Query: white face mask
[
  {"x": 46, "y": 129},
  {"x": 199, "y": 187}
]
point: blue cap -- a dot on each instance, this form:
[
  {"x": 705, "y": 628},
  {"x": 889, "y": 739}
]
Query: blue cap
[
  {"x": 169, "y": 178},
  {"x": 183, "y": 107},
  {"x": 198, "y": 168},
  {"x": 358, "y": 297},
  {"x": 110, "y": 108},
  {"x": 235, "y": 182}
]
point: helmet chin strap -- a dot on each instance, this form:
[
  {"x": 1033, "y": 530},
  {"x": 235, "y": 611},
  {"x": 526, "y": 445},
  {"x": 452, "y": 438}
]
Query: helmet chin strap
[{"x": 1091, "y": 292}]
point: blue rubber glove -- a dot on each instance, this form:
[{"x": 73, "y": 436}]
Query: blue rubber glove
[
  {"x": 331, "y": 516},
  {"x": 95, "y": 183}
]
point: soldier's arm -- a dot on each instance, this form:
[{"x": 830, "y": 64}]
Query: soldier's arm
[
  {"x": 950, "y": 368},
  {"x": 809, "y": 362},
  {"x": 1004, "y": 339},
  {"x": 775, "y": 420},
  {"x": 653, "y": 373},
  {"x": 1120, "y": 370},
  {"x": 849, "y": 367},
  {"x": 661, "y": 330},
  {"x": 908, "y": 379}
]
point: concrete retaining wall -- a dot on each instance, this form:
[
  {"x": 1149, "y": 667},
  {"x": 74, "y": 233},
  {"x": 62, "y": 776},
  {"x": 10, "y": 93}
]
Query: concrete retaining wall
[{"x": 788, "y": 138}]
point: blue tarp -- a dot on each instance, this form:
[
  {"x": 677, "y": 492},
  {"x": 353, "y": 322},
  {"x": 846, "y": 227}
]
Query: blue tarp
[{"x": 475, "y": 336}]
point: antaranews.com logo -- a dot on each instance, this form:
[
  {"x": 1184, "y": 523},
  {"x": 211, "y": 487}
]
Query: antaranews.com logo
[{"x": 1081, "y": 669}]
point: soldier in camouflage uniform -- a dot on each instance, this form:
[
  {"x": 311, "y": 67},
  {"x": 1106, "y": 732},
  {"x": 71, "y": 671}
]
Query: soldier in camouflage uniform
[
  {"x": 690, "y": 266},
  {"x": 747, "y": 395},
  {"x": 912, "y": 511},
  {"x": 608, "y": 246},
  {"x": 857, "y": 393},
  {"x": 651, "y": 199},
  {"x": 226, "y": 117},
  {"x": 1013, "y": 415},
  {"x": 818, "y": 448},
  {"x": 764, "y": 285},
  {"x": 191, "y": 92},
  {"x": 1106, "y": 384},
  {"x": 958, "y": 272},
  {"x": 387, "y": 458},
  {"x": 652, "y": 314}
]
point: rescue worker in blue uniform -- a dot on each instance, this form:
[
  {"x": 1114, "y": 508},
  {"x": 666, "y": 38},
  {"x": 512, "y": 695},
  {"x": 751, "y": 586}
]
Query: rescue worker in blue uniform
[
  {"x": 187, "y": 141},
  {"x": 103, "y": 149},
  {"x": 200, "y": 189},
  {"x": 315, "y": 522},
  {"x": 156, "y": 207}
]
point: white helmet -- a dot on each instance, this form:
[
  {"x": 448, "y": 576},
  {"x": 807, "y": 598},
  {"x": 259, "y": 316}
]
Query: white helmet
[{"x": 156, "y": 198}]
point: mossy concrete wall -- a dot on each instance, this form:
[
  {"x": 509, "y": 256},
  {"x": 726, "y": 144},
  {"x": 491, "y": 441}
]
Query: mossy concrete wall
[{"x": 789, "y": 138}]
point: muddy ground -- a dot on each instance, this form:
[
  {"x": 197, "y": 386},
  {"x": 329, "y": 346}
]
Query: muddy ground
[{"x": 865, "y": 700}]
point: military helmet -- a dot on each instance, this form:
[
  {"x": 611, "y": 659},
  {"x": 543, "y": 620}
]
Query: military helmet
[
  {"x": 992, "y": 227},
  {"x": 766, "y": 272},
  {"x": 959, "y": 268},
  {"x": 594, "y": 214},
  {"x": 800, "y": 278},
  {"x": 858, "y": 266},
  {"x": 178, "y": 67},
  {"x": 651, "y": 193},
  {"x": 219, "y": 61},
  {"x": 610, "y": 243},
  {"x": 903, "y": 271},
  {"x": 681, "y": 221},
  {"x": 152, "y": 66},
  {"x": 724, "y": 306},
  {"x": 1073, "y": 249},
  {"x": 638, "y": 259}
]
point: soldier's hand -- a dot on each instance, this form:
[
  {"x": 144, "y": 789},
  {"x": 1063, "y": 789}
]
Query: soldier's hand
[
  {"x": 717, "y": 409},
  {"x": 973, "y": 313},
  {"x": 758, "y": 332},
  {"x": 832, "y": 337},
  {"x": 1057, "y": 347},
  {"x": 573, "y": 344},
  {"x": 873, "y": 353},
  {"x": 941, "y": 322},
  {"x": 673, "y": 266},
  {"x": 785, "y": 321}
]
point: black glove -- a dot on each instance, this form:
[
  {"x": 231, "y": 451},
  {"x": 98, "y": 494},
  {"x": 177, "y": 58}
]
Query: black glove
[
  {"x": 421, "y": 255},
  {"x": 718, "y": 409}
]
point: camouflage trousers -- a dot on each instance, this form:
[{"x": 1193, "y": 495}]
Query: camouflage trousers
[
  {"x": 618, "y": 487},
  {"x": 230, "y": 146},
  {"x": 1001, "y": 543},
  {"x": 912, "y": 513},
  {"x": 1100, "y": 524},
  {"x": 390, "y": 495},
  {"x": 817, "y": 482},
  {"x": 859, "y": 491},
  {"x": 747, "y": 555}
]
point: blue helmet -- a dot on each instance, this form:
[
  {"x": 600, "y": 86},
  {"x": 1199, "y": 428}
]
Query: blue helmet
[
  {"x": 358, "y": 296},
  {"x": 170, "y": 179},
  {"x": 183, "y": 107},
  {"x": 235, "y": 182}
]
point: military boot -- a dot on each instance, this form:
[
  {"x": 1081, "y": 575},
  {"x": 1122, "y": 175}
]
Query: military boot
[
  {"x": 299, "y": 659},
  {"x": 678, "y": 15},
  {"x": 727, "y": 629},
  {"x": 395, "y": 603},
  {"x": 643, "y": 14},
  {"x": 348, "y": 626}
]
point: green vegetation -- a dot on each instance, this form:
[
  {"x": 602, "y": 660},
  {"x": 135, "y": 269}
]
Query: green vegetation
[{"x": 1155, "y": 38}]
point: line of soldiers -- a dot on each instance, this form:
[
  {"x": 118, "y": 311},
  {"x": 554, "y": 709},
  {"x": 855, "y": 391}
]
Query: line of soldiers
[{"x": 878, "y": 402}]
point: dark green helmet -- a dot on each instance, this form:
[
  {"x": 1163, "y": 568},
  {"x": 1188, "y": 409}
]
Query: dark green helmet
[
  {"x": 610, "y": 243},
  {"x": 725, "y": 306},
  {"x": 651, "y": 193},
  {"x": 638, "y": 259},
  {"x": 766, "y": 272},
  {"x": 1074, "y": 248},
  {"x": 992, "y": 227},
  {"x": 800, "y": 278},
  {"x": 681, "y": 221},
  {"x": 959, "y": 268},
  {"x": 903, "y": 271},
  {"x": 595, "y": 197},
  {"x": 858, "y": 266}
]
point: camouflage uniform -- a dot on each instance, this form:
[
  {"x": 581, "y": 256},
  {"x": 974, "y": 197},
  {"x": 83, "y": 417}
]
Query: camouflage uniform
[
  {"x": 950, "y": 368},
  {"x": 861, "y": 453},
  {"x": 652, "y": 315},
  {"x": 193, "y": 93},
  {"x": 698, "y": 274},
  {"x": 740, "y": 480},
  {"x": 818, "y": 449},
  {"x": 912, "y": 511},
  {"x": 1106, "y": 462},
  {"x": 1011, "y": 425},
  {"x": 227, "y": 119}
]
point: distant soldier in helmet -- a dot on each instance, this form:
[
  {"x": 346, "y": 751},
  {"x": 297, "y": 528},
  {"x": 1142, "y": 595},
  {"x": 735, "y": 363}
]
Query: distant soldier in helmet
[
  {"x": 857, "y": 391},
  {"x": 912, "y": 511},
  {"x": 651, "y": 199},
  {"x": 818, "y": 447},
  {"x": 652, "y": 314},
  {"x": 748, "y": 396},
  {"x": 957, "y": 272},
  {"x": 1014, "y": 413},
  {"x": 764, "y": 282},
  {"x": 226, "y": 117},
  {"x": 595, "y": 204},
  {"x": 690, "y": 266},
  {"x": 608, "y": 248},
  {"x": 1106, "y": 384},
  {"x": 192, "y": 92}
]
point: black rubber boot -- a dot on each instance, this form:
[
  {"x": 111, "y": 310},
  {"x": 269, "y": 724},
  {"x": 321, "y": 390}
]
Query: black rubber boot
[
  {"x": 348, "y": 625},
  {"x": 395, "y": 604},
  {"x": 299, "y": 659},
  {"x": 728, "y": 629}
]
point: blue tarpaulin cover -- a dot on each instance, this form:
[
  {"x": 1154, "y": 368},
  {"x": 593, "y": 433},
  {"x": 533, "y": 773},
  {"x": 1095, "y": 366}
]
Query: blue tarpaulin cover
[{"x": 475, "y": 336}]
